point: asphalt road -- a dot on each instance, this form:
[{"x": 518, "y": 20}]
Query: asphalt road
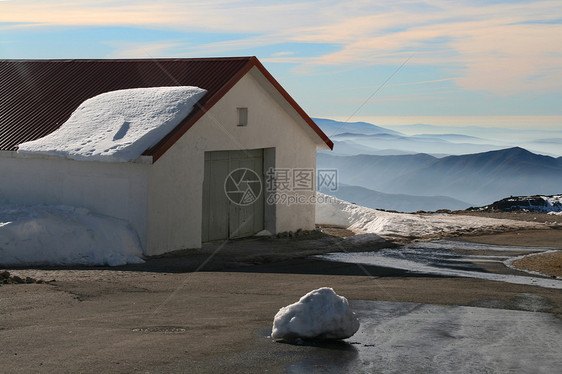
[
  {"x": 121, "y": 320},
  {"x": 162, "y": 317}
]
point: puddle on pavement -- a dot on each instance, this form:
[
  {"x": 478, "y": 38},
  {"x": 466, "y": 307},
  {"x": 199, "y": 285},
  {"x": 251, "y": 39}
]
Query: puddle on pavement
[
  {"x": 411, "y": 337},
  {"x": 451, "y": 258}
]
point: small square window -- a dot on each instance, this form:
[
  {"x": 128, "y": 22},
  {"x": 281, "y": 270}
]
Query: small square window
[{"x": 242, "y": 116}]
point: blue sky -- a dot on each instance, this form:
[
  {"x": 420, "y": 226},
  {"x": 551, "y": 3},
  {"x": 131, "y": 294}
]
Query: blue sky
[{"x": 438, "y": 58}]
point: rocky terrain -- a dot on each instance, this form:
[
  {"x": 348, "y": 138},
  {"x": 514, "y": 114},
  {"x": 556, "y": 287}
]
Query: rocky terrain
[
  {"x": 534, "y": 204},
  {"x": 7, "y": 278}
]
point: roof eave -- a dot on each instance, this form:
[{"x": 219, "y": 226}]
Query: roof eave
[
  {"x": 293, "y": 103},
  {"x": 199, "y": 110},
  {"x": 166, "y": 143}
]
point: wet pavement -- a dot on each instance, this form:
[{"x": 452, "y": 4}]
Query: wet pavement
[
  {"x": 419, "y": 338},
  {"x": 164, "y": 319},
  {"x": 452, "y": 259}
]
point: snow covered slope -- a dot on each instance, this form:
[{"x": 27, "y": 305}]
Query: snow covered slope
[
  {"x": 118, "y": 126},
  {"x": 330, "y": 210},
  {"x": 63, "y": 235}
]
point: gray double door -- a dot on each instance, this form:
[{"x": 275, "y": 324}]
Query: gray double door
[{"x": 233, "y": 196}]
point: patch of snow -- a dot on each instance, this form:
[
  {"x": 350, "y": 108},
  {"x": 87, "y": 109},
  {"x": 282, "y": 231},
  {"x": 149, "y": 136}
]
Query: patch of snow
[
  {"x": 320, "y": 314},
  {"x": 554, "y": 201},
  {"x": 263, "y": 233},
  {"x": 118, "y": 126},
  {"x": 552, "y": 204},
  {"x": 333, "y": 211},
  {"x": 64, "y": 235}
]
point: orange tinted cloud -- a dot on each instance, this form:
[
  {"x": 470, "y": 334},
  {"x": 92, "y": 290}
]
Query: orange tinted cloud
[{"x": 501, "y": 48}]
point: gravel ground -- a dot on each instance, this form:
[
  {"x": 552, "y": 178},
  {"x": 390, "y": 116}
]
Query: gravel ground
[
  {"x": 518, "y": 216},
  {"x": 545, "y": 263}
]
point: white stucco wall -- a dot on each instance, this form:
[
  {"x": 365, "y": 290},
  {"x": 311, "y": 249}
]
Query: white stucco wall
[
  {"x": 113, "y": 189},
  {"x": 163, "y": 201},
  {"x": 176, "y": 179}
]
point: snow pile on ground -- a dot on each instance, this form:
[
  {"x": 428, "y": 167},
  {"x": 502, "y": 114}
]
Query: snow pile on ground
[
  {"x": 63, "y": 235},
  {"x": 118, "y": 126},
  {"x": 333, "y": 211},
  {"x": 320, "y": 314}
]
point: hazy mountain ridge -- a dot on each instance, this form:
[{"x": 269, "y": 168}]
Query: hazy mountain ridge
[
  {"x": 332, "y": 128},
  {"x": 476, "y": 178},
  {"x": 373, "y": 171},
  {"x": 400, "y": 202},
  {"x": 352, "y": 148},
  {"x": 372, "y": 139},
  {"x": 484, "y": 132},
  {"x": 548, "y": 141},
  {"x": 484, "y": 177},
  {"x": 437, "y": 140}
]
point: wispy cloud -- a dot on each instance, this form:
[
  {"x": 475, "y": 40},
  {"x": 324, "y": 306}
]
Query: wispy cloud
[
  {"x": 124, "y": 49},
  {"x": 83, "y": 13},
  {"x": 213, "y": 16},
  {"x": 504, "y": 48},
  {"x": 406, "y": 83},
  {"x": 283, "y": 53},
  {"x": 423, "y": 82}
]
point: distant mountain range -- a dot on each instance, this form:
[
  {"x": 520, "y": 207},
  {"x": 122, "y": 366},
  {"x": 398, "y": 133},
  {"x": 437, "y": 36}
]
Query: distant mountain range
[
  {"x": 473, "y": 179},
  {"x": 399, "y": 202},
  {"x": 364, "y": 138},
  {"x": 386, "y": 169},
  {"x": 332, "y": 128},
  {"x": 484, "y": 177},
  {"x": 373, "y": 171},
  {"x": 431, "y": 144}
]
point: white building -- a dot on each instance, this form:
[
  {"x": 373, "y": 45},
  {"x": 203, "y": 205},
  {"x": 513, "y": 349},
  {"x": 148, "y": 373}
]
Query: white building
[{"x": 178, "y": 193}]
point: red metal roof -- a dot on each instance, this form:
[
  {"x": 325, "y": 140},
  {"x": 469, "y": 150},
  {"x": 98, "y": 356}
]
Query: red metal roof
[{"x": 38, "y": 96}]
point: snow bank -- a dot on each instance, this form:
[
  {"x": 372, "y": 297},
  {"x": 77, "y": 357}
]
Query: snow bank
[
  {"x": 63, "y": 235},
  {"x": 118, "y": 126},
  {"x": 330, "y": 210},
  {"x": 320, "y": 314},
  {"x": 553, "y": 203}
]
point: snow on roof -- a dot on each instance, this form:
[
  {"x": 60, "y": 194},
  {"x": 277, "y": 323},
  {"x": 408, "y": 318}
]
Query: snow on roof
[{"x": 118, "y": 126}]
